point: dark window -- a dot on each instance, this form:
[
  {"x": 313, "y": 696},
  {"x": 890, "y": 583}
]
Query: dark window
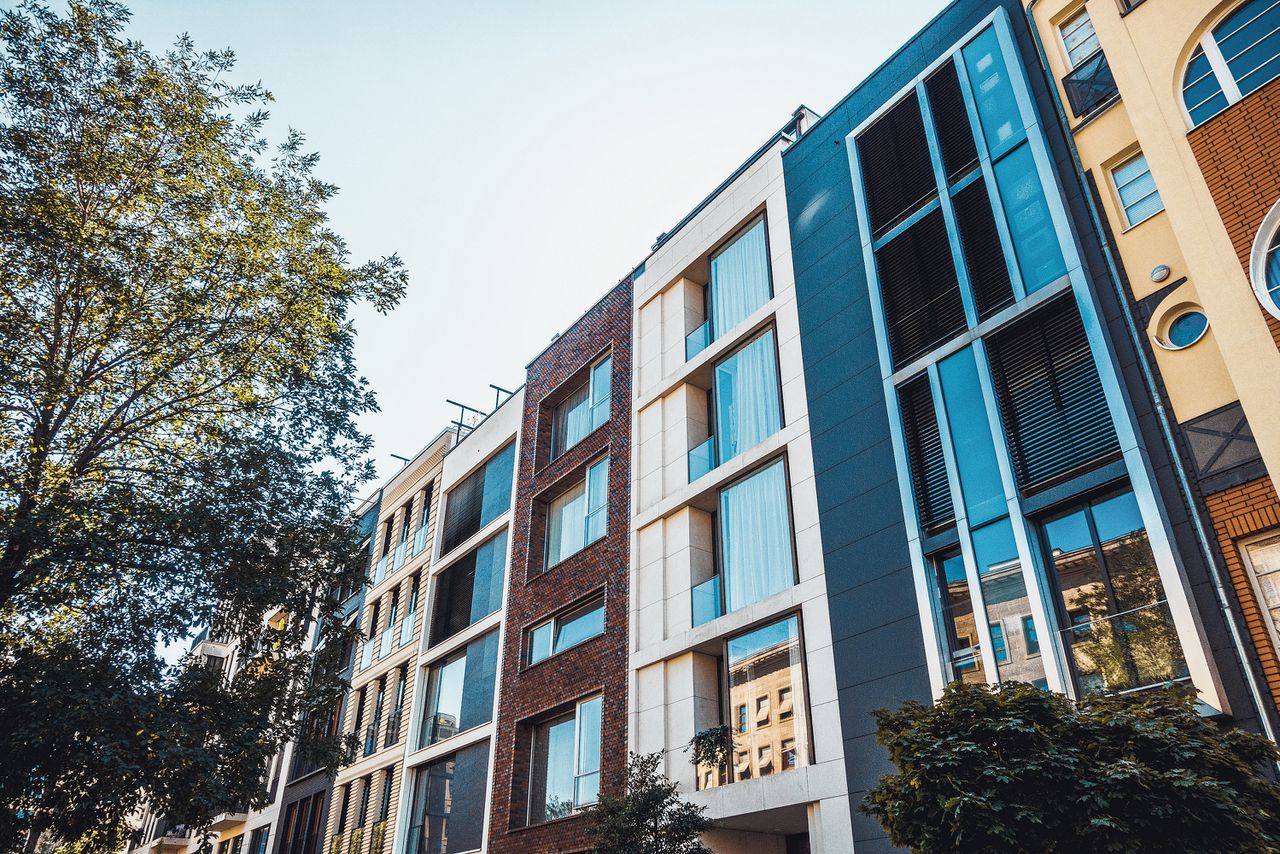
[
  {"x": 388, "y": 778},
  {"x": 469, "y": 589},
  {"x": 479, "y": 499},
  {"x": 344, "y": 801},
  {"x": 896, "y": 169},
  {"x": 447, "y": 812},
  {"x": 366, "y": 786},
  {"x": 922, "y": 303},
  {"x": 983, "y": 254},
  {"x": 951, "y": 121},
  {"x": 924, "y": 450},
  {"x": 460, "y": 691},
  {"x": 258, "y": 839},
  {"x": 1051, "y": 400}
]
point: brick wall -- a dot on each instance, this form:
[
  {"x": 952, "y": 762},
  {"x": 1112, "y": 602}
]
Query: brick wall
[
  {"x": 530, "y": 694},
  {"x": 1237, "y": 152},
  {"x": 1237, "y": 513}
]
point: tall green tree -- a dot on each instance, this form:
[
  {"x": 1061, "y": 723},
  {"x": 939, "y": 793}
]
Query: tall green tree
[
  {"x": 178, "y": 444},
  {"x": 1017, "y": 769},
  {"x": 648, "y": 815}
]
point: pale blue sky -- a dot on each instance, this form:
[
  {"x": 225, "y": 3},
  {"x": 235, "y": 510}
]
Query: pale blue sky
[{"x": 522, "y": 156}]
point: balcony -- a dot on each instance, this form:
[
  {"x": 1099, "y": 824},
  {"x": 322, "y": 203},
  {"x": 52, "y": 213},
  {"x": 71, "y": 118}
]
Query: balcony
[
  {"x": 385, "y": 646},
  {"x": 702, "y": 459},
  {"x": 697, "y": 340},
  {"x": 1090, "y": 85},
  {"x": 420, "y": 538},
  {"x": 1128, "y": 651},
  {"x": 380, "y": 569},
  {"x": 235, "y": 815},
  {"x": 393, "y": 729},
  {"x": 406, "y": 628},
  {"x": 707, "y": 601},
  {"x": 366, "y": 655},
  {"x": 402, "y": 549}
]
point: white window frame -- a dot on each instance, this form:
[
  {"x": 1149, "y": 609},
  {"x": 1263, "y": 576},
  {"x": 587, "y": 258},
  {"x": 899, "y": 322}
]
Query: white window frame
[
  {"x": 1116, "y": 186},
  {"x": 577, "y": 756},
  {"x": 1258, "y": 261},
  {"x": 1243, "y": 546},
  {"x": 556, "y": 623},
  {"x": 587, "y": 539},
  {"x": 593, "y": 403},
  {"x": 1062, "y": 37}
]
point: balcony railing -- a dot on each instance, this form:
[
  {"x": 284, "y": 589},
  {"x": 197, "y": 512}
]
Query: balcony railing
[
  {"x": 707, "y": 602},
  {"x": 370, "y": 739},
  {"x": 402, "y": 549},
  {"x": 380, "y": 569},
  {"x": 393, "y": 729},
  {"x": 702, "y": 459},
  {"x": 420, "y": 538},
  {"x": 386, "y": 645},
  {"x": 1127, "y": 651},
  {"x": 366, "y": 654},
  {"x": 406, "y": 628},
  {"x": 1090, "y": 85},
  {"x": 697, "y": 340}
]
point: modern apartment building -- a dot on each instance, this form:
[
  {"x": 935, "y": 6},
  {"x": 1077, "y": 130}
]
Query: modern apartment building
[
  {"x": 998, "y": 499},
  {"x": 562, "y": 700},
  {"x": 1172, "y": 109},
  {"x": 730, "y": 628},
  {"x": 447, "y": 764}
]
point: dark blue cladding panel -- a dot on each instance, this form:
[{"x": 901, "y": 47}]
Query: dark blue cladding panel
[{"x": 879, "y": 650}]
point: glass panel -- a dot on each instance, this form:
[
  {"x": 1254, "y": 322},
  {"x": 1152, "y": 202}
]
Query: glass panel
[
  {"x": 697, "y": 340},
  {"x": 572, "y": 421},
  {"x": 497, "y": 485},
  {"x": 470, "y": 589},
  {"x": 1201, "y": 90},
  {"x": 706, "y": 601},
  {"x": 958, "y": 621},
  {"x": 740, "y": 280},
  {"x": 971, "y": 438},
  {"x": 997, "y": 106},
  {"x": 444, "y": 700},
  {"x": 601, "y": 391},
  {"x": 587, "y": 780},
  {"x": 755, "y": 537},
  {"x": 765, "y": 677},
  {"x": 1249, "y": 39},
  {"x": 597, "y": 500},
  {"x": 482, "y": 497},
  {"x": 579, "y": 626},
  {"x": 1137, "y": 190},
  {"x": 1079, "y": 37},
  {"x": 551, "y": 783},
  {"x": 1118, "y": 627},
  {"x": 702, "y": 459},
  {"x": 540, "y": 641},
  {"x": 1035, "y": 241},
  {"x": 748, "y": 405},
  {"x": 1264, "y": 560},
  {"x": 447, "y": 812},
  {"x": 566, "y": 524},
  {"x": 1004, "y": 593}
]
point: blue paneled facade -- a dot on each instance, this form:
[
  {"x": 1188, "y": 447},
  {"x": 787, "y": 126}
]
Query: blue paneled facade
[{"x": 943, "y": 255}]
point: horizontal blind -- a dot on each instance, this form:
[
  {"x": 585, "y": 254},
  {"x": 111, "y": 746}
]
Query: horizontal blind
[
  {"x": 1051, "y": 400},
  {"x": 922, "y": 302},
  {"x": 951, "y": 122},
  {"x": 896, "y": 170},
  {"x": 983, "y": 255},
  {"x": 924, "y": 454}
]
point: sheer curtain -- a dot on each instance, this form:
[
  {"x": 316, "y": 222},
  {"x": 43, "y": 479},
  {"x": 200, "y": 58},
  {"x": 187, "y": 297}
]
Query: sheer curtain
[
  {"x": 748, "y": 408},
  {"x": 573, "y": 421},
  {"x": 755, "y": 537},
  {"x": 566, "y": 524},
  {"x": 739, "y": 280}
]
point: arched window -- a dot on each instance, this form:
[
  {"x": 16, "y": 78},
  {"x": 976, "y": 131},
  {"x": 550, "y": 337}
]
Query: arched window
[
  {"x": 1264, "y": 265},
  {"x": 1238, "y": 56}
]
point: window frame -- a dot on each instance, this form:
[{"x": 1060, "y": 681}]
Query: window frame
[
  {"x": 556, "y": 622},
  {"x": 585, "y": 485},
  {"x": 1268, "y": 232},
  {"x": 726, "y": 243},
  {"x": 1228, "y": 85},
  {"x": 1060, "y": 28},
  {"x": 713, "y": 405},
  {"x": 590, "y": 403},
  {"x": 1116, "y": 187},
  {"x": 546, "y": 723},
  {"x": 1242, "y": 546}
]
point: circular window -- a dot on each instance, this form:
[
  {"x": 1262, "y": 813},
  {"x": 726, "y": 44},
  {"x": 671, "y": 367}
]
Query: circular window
[
  {"x": 1264, "y": 265},
  {"x": 1186, "y": 329}
]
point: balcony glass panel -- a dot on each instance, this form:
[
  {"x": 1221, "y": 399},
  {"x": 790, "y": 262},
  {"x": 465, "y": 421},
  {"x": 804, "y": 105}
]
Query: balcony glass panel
[
  {"x": 380, "y": 569},
  {"x": 366, "y": 654},
  {"x": 406, "y": 628},
  {"x": 1135, "y": 649},
  {"x": 1090, "y": 85},
  {"x": 706, "y": 601},
  {"x": 697, "y": 340},
  {"x": 386, "y": 645},
  {"x": 402, "y": 549},
  {"x": 420, "y": 539},
  {"x": 702, "y": 459}
]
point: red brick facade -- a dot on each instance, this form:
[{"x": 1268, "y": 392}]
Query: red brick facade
[
  {"x": 1236, "y": 151},
  {"x": 1238, "y": 513},
  {"x": 530, "y": 694}
]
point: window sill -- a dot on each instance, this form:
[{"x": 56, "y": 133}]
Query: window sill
[
  {"x": 1093, "y": 115},
  {"x": 578, "y": 814}
]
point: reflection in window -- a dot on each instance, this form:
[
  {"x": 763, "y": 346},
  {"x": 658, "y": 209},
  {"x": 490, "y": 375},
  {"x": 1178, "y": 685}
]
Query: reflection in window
[
  {"x": 469, "y": 589},
  {"x": 565, "y": 775},
  {"x": 1004, "y": 593},
  {"x": 447, "y": 811},
  {"x": 762, "y": 665},
  {"x": 740, "y": 279},
  {"x": 482, "y": 497},
  {"x": 578, "y": 518},
  {"x": 748, "y": 405},
  {"x": 1118, "y": 629},
  {"x": 958, "y": 624},
  {"x": 460, "y": 691},
  {"x": 584, "y": 410},
  {"x": 560, "y": 633},
  {"x": 755, "y": 536}
]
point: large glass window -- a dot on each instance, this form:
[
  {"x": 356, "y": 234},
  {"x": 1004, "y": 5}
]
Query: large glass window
[
  {"x": 470, "y": 589},
  {"x": 766, "y": 677},
  {"x": 559, "y": 633},
  {"x": 1237, "y": 57},
  {"x": 1115, "y": 618},
  {"x": 565, "y": 774},
  {"x": 1004, "y": 595},
  {"x": 1035, "y": 240},
  {"x": 740, "y": 279},
  {"x": 449, "y": 800},
  {"x": 584, "y": 410},
  {"x": 748, "y": 404},
  {"x": 424, "y": 519},
  {"x": 482, "y": 497},
  {"x": 578, "y": 518},
  {"x": 959, "y": 625},
  {"x": 460, "y": 691},
  {"x": 755, "y": 536},
  {"x": 971, "y": 438}
]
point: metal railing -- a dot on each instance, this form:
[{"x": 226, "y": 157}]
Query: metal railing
[{"x": 1090, "y": 84}]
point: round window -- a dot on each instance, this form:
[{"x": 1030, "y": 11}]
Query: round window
[
  {"x": 1264, "y": 264},
  {"x": 1185, "y": 329}
]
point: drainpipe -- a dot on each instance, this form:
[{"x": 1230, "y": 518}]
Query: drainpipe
[{"x": 1162, "y": 415}]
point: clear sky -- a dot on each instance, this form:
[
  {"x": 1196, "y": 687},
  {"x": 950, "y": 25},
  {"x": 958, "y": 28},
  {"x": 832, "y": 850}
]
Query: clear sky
[{"x": 522, "y": 155}]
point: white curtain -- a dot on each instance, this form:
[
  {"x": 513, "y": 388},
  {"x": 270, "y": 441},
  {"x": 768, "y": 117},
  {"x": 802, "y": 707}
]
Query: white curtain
[
  {"x": 739, "y": 280},
  {"x": 566, "y": 524},
  {"x": 755, "y": 537},
  {"x": 748, "y": 409},
  {"x": 573, "y": 421}
]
